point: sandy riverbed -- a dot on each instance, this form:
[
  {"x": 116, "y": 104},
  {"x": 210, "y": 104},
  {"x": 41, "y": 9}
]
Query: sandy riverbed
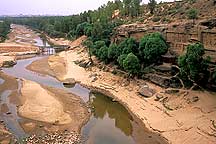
[{"x": 178, "y": 117}]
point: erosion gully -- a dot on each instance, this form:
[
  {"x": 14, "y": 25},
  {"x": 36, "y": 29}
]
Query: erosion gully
[{"x": 109, "y": 123}]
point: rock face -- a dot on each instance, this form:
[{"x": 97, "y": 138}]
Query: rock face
[
  {"x": 164, "y": 81},
  {"x": 146, "y": 92},
  {"x": 178, "y": 36}
]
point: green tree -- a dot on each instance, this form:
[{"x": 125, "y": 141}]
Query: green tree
[
  {"x": 80, "y": 30},
  {"x": 126, "y": 7},
  {"x": 136, "y": 6},
  {"x": 128, "y": 45},
  {"x": 4, "y": 30},
  {"x": 113, "y": 52},
  {"x": 103, "y": 54},
  {"x": 151, "y": 48},
  {"x": 192, "y": 65},
  {"x": 97, "y": 45},
  {"x": 121, "y": 59},
  {"x": 152, "y": 5},
  {"x": 131, "y": 64},
  {"x": 192, "y": 13}
]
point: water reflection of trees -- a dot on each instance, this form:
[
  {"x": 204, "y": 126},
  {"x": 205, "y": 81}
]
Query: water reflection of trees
[{"x": 116, "y": 111}]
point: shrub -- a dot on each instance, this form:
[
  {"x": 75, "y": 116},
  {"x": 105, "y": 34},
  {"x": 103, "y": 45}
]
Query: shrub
[
  {"x": 80, "y": 29},
  {"x": 113, "y": 52},
  {"x": 128, "y": 45},
  {"x": 97, "y": 45},
  {"x": 151, "y": 48},
  {"x": 103, "y": 54},
  {"x": 121, "y": 59},
  {"x": 192, "y": 63},
  {"x": 192, "y": 13},
  {"x": 156, "y": 19},
  {"x": 131, "y": 64}
]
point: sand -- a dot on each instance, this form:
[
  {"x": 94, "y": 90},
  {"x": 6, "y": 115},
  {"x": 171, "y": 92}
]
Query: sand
[
  {"x": 39, "y": 104},
  {"x": 188, "y": 122}
]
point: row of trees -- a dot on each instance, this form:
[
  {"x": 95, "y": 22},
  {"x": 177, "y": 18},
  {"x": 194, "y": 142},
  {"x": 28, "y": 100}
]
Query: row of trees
[
  {"x": 100, "y": 21},
  {"x": 4, "y": 30},
  {"x": 130, "y": 55}
]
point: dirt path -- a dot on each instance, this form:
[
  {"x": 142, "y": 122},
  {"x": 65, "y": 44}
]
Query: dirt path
[{"x": 184, "y": 117}]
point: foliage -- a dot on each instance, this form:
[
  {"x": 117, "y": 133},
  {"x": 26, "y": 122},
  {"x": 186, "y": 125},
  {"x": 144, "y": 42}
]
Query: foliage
[
  {"x": 82, "y": 28},
  {"x": 151, "y": 48},
  {"x": 4, "y": 30},
  {"x": 121, "y": 59},
  {"x": 113, "y": 52},
  {"x": 97, "y": 45},
  {"x": 131, "y": 64},
  {"x": 192, "y": 13},
  {"x": 156, "y": 19},
  {"x": 192, "y": 63},
  {"x": 128, "y": 45},
  {"x": 152, "y": 5},
  {"x": 103, "y": 54}
]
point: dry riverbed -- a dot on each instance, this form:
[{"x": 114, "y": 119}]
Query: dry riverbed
[
  {"x": 49, "y": 115},
  {"x": 180, "y": 117}
]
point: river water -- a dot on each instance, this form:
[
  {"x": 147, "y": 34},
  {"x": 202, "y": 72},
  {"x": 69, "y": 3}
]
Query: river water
[{"x": 109, "y": 123}]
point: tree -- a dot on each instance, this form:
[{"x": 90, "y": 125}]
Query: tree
[
  {"x": 192, "y": 65},
  {"x": 113, "y": 52},
  {"x": 136, "y": 6},
  {"x": 103, "y": 54},
  {"x": 131, "y": 64},
  {"x": 4, "y": 30},
  {"x": 80, "y": 30},
  {"x": 192, "y": 13},
  {"x": 151, "y": 48},
  {"x": 126, "y": 6},
  {"x": 152, "y": 5},
  {"x": 121, "y": 59},
  {"x": 128, "y": 45},
  {"x": 97, "y": 45}
]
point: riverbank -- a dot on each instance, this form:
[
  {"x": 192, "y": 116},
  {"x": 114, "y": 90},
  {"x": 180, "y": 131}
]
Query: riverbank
[{"x": 180, "y": 117}]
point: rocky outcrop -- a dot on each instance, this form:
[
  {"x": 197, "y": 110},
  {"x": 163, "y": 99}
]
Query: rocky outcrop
[
  {"x": 7, "y": 61},
  {"x": 146, "y": 92},
  {"x": 179, "y": 36},
  {"x": 70, "y": 82}
]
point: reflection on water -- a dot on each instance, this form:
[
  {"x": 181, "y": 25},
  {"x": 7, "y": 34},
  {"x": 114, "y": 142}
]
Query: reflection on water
[{"x": 110, "y": 122}]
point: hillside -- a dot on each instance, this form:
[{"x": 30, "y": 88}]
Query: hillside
[{"x": 175, "y": 12}]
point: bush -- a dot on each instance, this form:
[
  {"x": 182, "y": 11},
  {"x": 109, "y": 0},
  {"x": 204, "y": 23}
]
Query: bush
[
  {"x": 103, "y": 54},
  {"x": 151, "y": 48},
  {"x": 192, "y": 63},
  {"x": 81, "y": 28},
  {"x": 156, "y": 19},
  {"x": 121, "y": 59},
  {"x": 131, "y": 64},
  {"x": 4, "y": 30},
  {"x": 192, "y": 13},
  {"x": 113, "y": 52},
  {"x": 128, "y": 45},
  {"x": 97, "y": 45}
]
